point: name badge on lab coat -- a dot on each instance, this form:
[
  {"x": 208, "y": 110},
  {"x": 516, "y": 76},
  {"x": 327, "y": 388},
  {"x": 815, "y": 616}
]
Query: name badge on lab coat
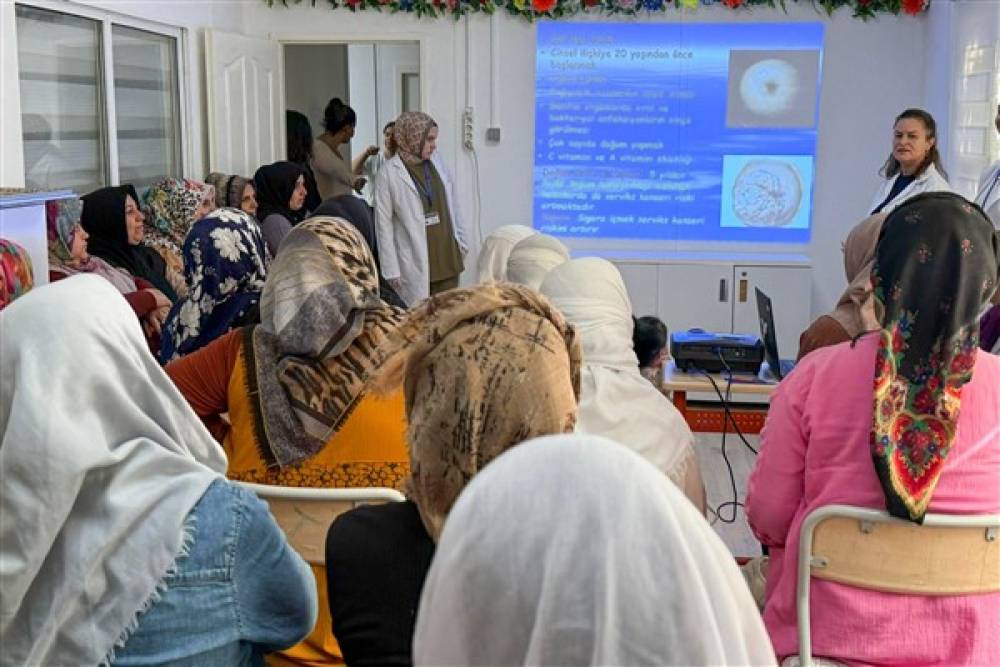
[{"x": 431, "y": 218}]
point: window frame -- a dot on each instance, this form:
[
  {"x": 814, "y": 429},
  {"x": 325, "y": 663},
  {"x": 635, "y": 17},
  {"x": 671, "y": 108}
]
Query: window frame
[{"x": 107, "y": 19}]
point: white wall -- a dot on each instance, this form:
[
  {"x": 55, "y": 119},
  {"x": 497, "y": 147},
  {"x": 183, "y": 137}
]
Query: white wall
[{"x": 11, "y": 149}]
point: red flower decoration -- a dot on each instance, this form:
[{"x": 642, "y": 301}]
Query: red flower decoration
[
  {"x": 913, "y": 7},
  {"x": 542, "y": 6},
  {"x": 732, "y": 4},
  {"x": 352, "y": 3},
  {"x": 591, "y": 3}
]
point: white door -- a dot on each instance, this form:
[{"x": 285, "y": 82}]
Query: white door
[
  {"x": 790, "y": 290},
  {"x": 245, "y": 89},
  {"x": 695, "y": 296}
]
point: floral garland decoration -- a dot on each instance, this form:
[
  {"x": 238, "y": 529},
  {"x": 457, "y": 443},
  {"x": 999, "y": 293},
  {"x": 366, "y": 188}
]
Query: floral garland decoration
[{"x": 534, "y": 9}]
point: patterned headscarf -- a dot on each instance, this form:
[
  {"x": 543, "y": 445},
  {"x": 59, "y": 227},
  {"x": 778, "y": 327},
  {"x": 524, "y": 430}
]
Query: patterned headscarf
[
  {"x": 935, "y": 267},
  {"x": 321, "y": 324},
  {"x": 170, "y": 208},
  {"x": 16, "y": 276},
  {"x": 483, "y": 369},
  {"x": 225, "y": 263},
  {"x": 228, "y": 189},
  {"x": 410, "y": 134},
  {"x": 61, "y": 218}
]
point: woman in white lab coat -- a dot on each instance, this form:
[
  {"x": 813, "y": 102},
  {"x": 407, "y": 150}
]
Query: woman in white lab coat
[
  {"x": 422, "y": 236},
  {"x": 914, "y": 166},
  {"x": 988, "y": 194}
]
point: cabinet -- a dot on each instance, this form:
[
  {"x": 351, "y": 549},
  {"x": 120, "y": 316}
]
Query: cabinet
[{"x": 719, "y": 295}]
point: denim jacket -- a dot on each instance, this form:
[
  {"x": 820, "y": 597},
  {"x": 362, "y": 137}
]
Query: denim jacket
[{"x": 240, "y": 592}]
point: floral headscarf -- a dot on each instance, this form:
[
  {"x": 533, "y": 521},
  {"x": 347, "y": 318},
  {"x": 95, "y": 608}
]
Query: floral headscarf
[
  {"x": 935, "y": 267},
  {"x": 225, "y": 264},
  {"x": 170, "y": 208},
  {"x": 16, "y": 276},
  {"x": 483, "y": 369},
  {"x": 61, "y": 218},
  {"x": 410, "y": 134}
]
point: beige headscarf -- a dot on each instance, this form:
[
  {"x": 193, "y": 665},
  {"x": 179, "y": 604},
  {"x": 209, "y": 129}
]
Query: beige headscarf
[
  {"x": 484, "y": 368},
  {"x": 855, "y": 311},
  {"x": 410, "y": 134},
  {"x": 321, "y": 324},
  {"x": 532, "y": 258}
]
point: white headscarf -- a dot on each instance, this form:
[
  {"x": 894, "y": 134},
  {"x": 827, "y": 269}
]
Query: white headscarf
[
  {"x": 496, "y": 250},
  {"x": 532, "y": 259},
  {"x": 615, "y": 400},
  {"x": 572, "y": 550},
  {"x": 101, "y": 461}
]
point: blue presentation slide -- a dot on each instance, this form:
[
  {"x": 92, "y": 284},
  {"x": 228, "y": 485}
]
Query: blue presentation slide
[{"x": 688, "y": 132}]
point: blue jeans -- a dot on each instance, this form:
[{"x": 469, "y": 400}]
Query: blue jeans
[{"x": 239, "y": 593}]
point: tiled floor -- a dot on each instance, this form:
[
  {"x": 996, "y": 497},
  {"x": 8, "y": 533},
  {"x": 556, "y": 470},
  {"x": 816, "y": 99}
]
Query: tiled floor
[{"x": 719, "y": 489}]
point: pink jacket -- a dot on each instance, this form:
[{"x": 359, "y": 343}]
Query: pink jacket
[{"x": 814, "y": 452}]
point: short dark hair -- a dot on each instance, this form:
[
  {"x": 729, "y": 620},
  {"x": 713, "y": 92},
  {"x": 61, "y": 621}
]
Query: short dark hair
[
  {"x": 299, "y": 133},
  {"x": 338, "y": 115},
  {"x": 649, "y": 337}
]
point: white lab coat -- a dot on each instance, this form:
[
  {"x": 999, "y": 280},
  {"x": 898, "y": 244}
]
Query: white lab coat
[
  {"x": 988, "y": 194},
  {"x": 929, "y": 181},
  {"x": 399, "y": 224}
]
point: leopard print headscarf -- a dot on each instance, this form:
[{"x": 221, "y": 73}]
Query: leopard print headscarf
[
  {"x": 483, "y": 369},
  {"x": 321, "y": 324}
]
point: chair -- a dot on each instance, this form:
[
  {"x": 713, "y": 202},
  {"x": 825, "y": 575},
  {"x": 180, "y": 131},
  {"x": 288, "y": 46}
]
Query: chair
[
  {"x": 305, "y": 514},
  {"x": 946, "y": 555}
]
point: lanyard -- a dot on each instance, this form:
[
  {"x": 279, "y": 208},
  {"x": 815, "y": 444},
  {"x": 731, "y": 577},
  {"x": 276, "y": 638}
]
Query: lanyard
[{"x": 427, "y": 187}]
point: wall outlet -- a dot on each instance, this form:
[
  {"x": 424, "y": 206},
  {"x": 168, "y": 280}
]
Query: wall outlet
[
  {"x": 467, "y": 128},
  {"x": 493, "y": 134}
]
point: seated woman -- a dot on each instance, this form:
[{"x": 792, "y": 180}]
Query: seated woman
[
  {"x": 649, "y": 339},
  {"x": 281, "y": 199},
  {"x": 933, "y": 435},
  {"x": 68, "y": 256},
  {"x": 171, "y": 207},
  {"x": 616, "y": 401},
  {"x": 16, "y": 276},
  {"x": 496, "y": 249},
  {"x": 114, "y": 223},
  {"x": 532, "y": 258},
  {"x": 357, "y": 212},
  {"x": 483, "y": 369},
  {"x": 233, "y": 192},
  {"x": 116, "y": 514},
  {"x": 225, "y": 264},
  {"x": 855, "y": 313},
  {"x": 295, "y": 385},
  {"x": 572, "y": 550}
]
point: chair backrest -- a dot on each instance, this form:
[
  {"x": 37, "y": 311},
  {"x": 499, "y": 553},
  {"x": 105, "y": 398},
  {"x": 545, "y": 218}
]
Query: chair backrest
[
  {"x": 305, "y": 514},
  {"x": 946, "y": 555}
]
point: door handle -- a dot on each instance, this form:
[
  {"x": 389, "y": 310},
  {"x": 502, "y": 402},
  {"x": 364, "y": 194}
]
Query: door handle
[
  {"x": 723, "y": 290},
  {"x": 743, "y": 290}
]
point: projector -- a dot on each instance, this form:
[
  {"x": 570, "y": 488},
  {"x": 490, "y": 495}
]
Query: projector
[{"x": 699, "y": 349}]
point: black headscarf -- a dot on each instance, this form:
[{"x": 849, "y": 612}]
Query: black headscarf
[
  {"x": 275, "y": 184},
  {"x": 936, "y": 266},
  {"x": 357, "y": 212},
  {"x": 103, "y": 218}
]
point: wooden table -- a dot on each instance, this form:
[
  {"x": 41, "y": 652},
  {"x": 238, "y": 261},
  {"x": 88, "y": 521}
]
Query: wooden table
[{"x": 750, "y": 418}]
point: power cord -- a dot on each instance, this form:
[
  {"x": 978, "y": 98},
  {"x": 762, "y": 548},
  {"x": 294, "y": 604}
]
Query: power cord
[{"x": 728, "y": 418}]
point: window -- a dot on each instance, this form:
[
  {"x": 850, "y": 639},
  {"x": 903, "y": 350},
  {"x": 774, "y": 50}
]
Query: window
[{"x": 93, "y": 117}]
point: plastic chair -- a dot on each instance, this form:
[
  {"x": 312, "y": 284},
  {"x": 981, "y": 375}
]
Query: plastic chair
[
  {"x": 305, "y": 514},
  {"x": 946, "y": 555}
]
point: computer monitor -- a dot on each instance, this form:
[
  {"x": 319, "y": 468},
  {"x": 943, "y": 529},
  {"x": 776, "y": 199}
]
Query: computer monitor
[{"x": 765, "y": 314}]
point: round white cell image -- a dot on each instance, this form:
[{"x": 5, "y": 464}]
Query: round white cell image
[
  {"x": 768, "y": 87},
  {"x": 767, "y": 193}
]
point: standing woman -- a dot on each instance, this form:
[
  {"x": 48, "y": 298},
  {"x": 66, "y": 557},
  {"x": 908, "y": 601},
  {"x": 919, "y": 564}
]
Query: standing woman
[
  {"x": 422, "y": 235},
  {"x": 112, "y": 218},
  {"x": 281, "y": 200},
  {"x": 914, "y": 166},
  {"x": 335, "y": 175},
  {"x": 299, "y": 135},
  {"x": 233, "y": 192}
]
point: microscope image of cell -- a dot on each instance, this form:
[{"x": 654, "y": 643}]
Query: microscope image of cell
[
  {"x": 767, "y": 193},
  {"x": 769, "y": 87}
]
